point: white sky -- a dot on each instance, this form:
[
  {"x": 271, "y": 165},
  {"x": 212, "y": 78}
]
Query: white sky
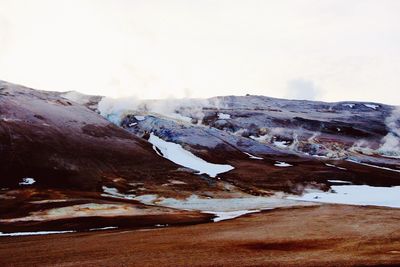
[{"x": 313, "y": 49}]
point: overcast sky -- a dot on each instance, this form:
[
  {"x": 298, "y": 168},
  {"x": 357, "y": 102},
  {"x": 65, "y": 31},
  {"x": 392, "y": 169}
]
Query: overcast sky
[{"x": 311, "y": 49}]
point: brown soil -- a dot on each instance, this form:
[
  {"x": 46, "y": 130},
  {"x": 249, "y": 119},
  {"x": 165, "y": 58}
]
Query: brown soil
[
  {"x": 254, "y": 176},
  {"x": 328, "y": 235}
]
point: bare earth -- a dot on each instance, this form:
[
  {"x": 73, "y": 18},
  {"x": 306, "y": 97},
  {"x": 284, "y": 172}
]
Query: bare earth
[{"x": 327, "y": 235}]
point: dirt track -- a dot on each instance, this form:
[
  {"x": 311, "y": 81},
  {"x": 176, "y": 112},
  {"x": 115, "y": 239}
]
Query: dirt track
[{"x": 328, "y": 235}]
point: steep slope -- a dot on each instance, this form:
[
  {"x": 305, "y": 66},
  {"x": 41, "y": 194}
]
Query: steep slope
[
  {"x": 63, "y": 144},
  {"x": 63, "y": 166}
]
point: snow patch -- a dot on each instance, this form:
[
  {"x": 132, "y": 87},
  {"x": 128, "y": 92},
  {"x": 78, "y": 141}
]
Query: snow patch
[
  {"x": 223, "y": 208},
  {"x": 252, "y": 156},
  {"x": 27, "y": 181},
  {"x": 36, "y": 233},
  {"x": 147, "y": 199},
  {"x": 349, "y": 105},
  {"x": 175, "y": 153},
  {"x": 228, "y": 215},
  {"x": 140, "y": 118},
  {"x": 224, "y": 116},
  {"x": 282, "y": 164},
  {"x": 318, "y": 156},
  {"x": 53, "y": 232},
  {"x": 356, "y": 195},
  {"x": 371, "y": 106}
]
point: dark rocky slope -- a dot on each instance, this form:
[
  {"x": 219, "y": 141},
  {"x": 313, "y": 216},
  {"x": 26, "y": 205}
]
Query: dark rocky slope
[{"x": 62, "y": 144}]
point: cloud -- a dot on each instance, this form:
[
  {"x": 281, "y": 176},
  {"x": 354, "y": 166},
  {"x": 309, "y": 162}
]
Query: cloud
[{"x": 302, "y": 89}]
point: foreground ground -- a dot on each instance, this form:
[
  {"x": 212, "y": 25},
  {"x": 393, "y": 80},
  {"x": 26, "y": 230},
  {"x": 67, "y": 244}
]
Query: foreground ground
[{"x": 327, "y": 235}]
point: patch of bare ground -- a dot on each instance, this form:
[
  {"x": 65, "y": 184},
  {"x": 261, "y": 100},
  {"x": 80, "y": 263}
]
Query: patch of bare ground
[
  {"x": 262, "y": 175},
  {"x": 327, "y": 235}
]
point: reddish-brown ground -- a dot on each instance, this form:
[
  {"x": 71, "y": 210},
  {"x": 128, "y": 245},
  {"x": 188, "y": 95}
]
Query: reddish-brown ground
[
  {"x": 257, "y": 175},
  {"x": 327, "y": 235}
]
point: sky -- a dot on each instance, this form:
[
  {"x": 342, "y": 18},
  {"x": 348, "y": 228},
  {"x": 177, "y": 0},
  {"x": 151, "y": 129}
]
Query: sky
[{"x": 329, "y": 50}]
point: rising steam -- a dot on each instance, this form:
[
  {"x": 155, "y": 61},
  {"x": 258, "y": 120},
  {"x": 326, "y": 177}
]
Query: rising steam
[
  {"x": 185, "y": 109},
  {"x": 391, "y": 142}
]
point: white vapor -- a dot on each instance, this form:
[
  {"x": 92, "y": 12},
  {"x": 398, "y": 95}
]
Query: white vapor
[
  {"x": 114, "y": 109},
  {"x": 391, "y": 142}
]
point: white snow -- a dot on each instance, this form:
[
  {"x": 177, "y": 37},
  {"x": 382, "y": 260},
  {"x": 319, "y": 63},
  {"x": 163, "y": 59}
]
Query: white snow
[
  {"x": 282, "y": 164},
  {"x": 252, "y": 156},
  {"x": 224, "y": 116},
  {"x": 36, "y": 233},
  {"x": 27, "y": 181},
  {"x": 113, "y": 192},
  {"x": 371, "y": 106},
  {"x": 334, "y": 166},
  {"x": 175, "y": 153},
  {"x": 318, "y": 156},
  {"x": 281, "y": 144},
  {"x": 147, "y": 199},
  {"x": 223, "y": 208},
  {"x": 349, "y": 105},
  {"x": 53, "y": 232},
  {"x": 356, "y": 195},
  {"x": 132, "y": 124},
  {"x": 227, "y": 215},
  {"x": 140, "y": 118}
]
